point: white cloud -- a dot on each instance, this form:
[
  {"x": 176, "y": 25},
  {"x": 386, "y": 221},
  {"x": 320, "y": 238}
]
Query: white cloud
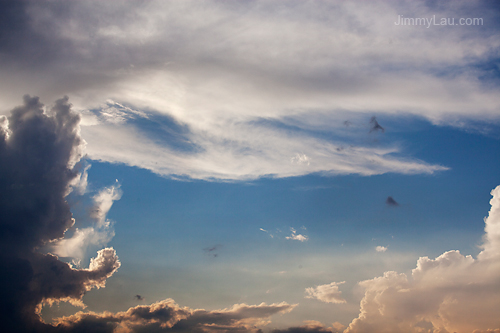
[
  {"x": 103, "y": 201},
  {"x": 99, "y": 234},
  {"x": 452, "y": 293},
  {"x": 241, "y": 151},
  {"x": 380, "y": 248},
  {"x": 295, "y": 236},
  {"x": 267, "y": 232},
  {"x": 301, "y": 159},
  {"x": 256, "y": 83},
  {"x": 80, "y": 183},
  {"x": 328, "y": 293}
]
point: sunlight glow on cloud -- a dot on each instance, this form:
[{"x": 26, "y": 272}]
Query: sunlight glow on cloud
[
  {"x": 328, "y": 293},
  {"x": 452, "y": 293},
  {"x": 167, "y": 315},
  {"x": 99, "y": 234}
]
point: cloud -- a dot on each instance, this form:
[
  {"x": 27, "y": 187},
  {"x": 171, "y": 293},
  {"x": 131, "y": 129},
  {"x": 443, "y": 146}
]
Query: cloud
[
  {"x": 139, "y": 298},
  {"x": 328, "y": 293},
  {"x": 80, "y": 182},
  {"x": 258, "y": 90},
  {"x": 380, "y": 248},
  {"x": 39, "y": 152},
  {"x": 295, "y": 236},
  {"x": 301, "y": 159},
  {"x": 99, "y": 234},
  {"x": 56, "y": 281},
  {"x": 391, "y": 202},
  {"x": 103, "y": 202},
  {"x": 267, "y": 232},
  {"x": 312, "y": 326},
  {"x": 452, "y": 293},
  {"x": 167, "y": 316},
  {"x": 241, "y": 151},
  {"x": 37, "y": 167}
]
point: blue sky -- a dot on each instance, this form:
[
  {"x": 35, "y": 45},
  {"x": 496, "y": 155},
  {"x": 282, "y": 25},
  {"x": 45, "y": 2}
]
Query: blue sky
[{"x": 235, "y": 153}]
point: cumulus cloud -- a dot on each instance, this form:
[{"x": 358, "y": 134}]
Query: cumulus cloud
[
  {"x": 99, "y": 234},
  {"x": 167, "y": 316},
  {"x": 328, "y": 293},
  {"x": 295, "y": 236},
  {"x": 38, "y": 153},
  {"x": 56, "y": 281},
  {"x": 380, "y": 248},
  {"x": 452, "y": 293}
]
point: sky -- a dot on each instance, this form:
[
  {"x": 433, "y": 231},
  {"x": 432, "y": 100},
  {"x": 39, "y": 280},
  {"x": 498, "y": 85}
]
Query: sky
[{"x": 250, "y": 166}]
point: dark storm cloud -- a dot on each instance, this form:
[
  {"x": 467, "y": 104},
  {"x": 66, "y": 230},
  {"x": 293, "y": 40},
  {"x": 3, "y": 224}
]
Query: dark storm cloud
[
  {"x": 167, "y": 316},
  {"x": 391, "y": 202},
  {"x": 375, "y": 126},
  {"x": 13, "y": 22},
  {"x": 38, "y": 152},
  {"x": 23, "y": 43},
  {"x": 35, "y": 174}
]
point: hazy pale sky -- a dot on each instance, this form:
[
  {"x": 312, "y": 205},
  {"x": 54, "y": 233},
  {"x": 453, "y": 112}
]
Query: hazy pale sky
[{"x": 250, "y": 166}]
